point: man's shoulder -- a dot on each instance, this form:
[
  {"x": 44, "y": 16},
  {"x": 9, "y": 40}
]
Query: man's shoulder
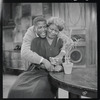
[{"x": 31, "y": 28}]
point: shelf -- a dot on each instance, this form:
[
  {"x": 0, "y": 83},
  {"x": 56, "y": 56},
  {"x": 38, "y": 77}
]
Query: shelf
[
  {"x": 9, "y": 26},
  {"x": 79, "y": 66},
  {"x": 81, "y": 44},
  {"x": 22, "y": 68},
  {"x": 16, "y": 51},
  {"x": 78, "y": 32}
]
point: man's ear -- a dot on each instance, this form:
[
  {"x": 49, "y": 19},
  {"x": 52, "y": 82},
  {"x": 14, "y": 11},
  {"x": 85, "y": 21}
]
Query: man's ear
[{"x": 35, "y": 28}]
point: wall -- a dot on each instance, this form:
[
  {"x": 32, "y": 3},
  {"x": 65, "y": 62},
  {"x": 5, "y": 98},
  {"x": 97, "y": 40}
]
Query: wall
[
  {"x": 81, "y": 18},
  {"x": 22, "y": 17},
  {"x": 13, "y": 34}
]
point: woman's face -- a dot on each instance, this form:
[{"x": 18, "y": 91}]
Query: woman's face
[{"x": 52, "y": 31}]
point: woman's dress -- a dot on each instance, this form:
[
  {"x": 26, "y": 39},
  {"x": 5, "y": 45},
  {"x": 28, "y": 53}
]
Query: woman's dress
[{"x": 35, "y": 83}]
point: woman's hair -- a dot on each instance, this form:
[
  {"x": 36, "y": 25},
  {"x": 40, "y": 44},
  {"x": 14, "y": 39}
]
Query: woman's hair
[
  {"x": 57, "y": 21},
  {"x": 39, "y": 18}
]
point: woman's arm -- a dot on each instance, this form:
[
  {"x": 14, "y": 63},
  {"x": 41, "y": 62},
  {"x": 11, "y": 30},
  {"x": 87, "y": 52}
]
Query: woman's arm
[{"x": 67, "y": 41}]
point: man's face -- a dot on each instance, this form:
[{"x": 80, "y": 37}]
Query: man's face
[{"x": 41, "y": 29}]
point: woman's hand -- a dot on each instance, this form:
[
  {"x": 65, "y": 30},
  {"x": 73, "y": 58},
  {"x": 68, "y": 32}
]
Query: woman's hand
[
  {"x": 58, "y": 68},
  {"x": 58, "y": 59}
]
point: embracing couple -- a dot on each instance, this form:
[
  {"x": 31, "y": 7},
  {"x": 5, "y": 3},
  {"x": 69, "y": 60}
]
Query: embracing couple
[{"x": 40, "y": 42}]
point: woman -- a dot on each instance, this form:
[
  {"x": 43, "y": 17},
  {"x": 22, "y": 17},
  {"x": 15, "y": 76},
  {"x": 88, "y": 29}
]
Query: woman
[{"x": 34, "y": 83}]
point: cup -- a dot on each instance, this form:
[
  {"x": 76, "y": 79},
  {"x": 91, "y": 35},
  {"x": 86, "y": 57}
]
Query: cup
[{"x": 68, "y": 68}]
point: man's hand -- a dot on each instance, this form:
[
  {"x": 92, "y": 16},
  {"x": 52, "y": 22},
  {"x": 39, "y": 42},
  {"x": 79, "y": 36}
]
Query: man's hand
[{"x": 48, "y": 65}]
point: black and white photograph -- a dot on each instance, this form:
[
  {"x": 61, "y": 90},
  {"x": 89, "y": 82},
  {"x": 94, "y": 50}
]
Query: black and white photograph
[{"x": 49, "y": 50}]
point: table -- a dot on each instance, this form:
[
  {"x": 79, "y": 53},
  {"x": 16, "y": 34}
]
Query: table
[{"x": 81, "y": 82}]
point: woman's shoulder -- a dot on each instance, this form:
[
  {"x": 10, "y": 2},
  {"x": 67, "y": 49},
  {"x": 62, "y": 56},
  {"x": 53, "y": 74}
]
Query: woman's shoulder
[
  {"x": 59, "y": 39},
  {"x": 38, "y": 39},
  {"x": 35, "y": 39}
]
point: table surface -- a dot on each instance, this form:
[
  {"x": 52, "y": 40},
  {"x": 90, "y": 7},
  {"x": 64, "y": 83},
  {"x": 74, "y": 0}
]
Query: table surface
[{"x": 82, "y": 78}]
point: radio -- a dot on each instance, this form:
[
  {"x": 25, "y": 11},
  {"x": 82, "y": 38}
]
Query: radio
[{"x": 78, "y": 56}]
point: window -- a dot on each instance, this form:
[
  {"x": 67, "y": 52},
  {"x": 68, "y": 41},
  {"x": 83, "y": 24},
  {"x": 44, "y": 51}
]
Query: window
[{"x": 8, "y": 13}]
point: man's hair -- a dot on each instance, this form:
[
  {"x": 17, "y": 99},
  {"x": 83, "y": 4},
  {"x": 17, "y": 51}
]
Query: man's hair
[{"x": 37, "y": 19}]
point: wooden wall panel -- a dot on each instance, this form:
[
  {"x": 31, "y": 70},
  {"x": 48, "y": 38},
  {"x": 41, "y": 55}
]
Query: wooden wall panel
[
  {"x": 91, "y": 36},
  {"x": 61, "y": 10},
  {"x": 36, "y": 9},
  {"x": 80, "y": 16},
  {"x": 47, "y": 10},
  {"x": 76, "y": 15}
]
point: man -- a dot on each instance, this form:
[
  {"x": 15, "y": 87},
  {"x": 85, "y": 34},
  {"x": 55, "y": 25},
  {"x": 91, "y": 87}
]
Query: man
[{"x": 32, "y": 32}]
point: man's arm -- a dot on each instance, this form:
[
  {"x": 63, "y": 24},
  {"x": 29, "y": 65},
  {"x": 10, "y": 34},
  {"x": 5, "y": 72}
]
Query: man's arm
[{"x": 26, "y": 53}]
